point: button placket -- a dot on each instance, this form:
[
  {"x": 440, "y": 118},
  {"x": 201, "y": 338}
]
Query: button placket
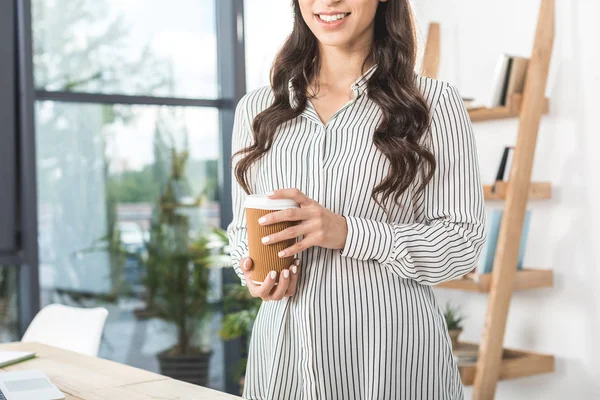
[{"x": 321, "y": 169}]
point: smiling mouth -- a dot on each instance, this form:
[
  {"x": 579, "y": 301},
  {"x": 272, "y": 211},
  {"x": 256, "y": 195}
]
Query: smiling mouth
[{"x": 332, "y": 18}]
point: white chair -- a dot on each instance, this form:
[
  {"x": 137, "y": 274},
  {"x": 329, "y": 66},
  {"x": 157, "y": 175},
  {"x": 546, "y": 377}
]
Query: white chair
[{"x": 69, "y": 328}]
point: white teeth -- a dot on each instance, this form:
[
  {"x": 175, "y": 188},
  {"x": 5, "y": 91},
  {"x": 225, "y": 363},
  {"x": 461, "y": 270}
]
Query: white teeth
[{"x": 331, "y": 18}]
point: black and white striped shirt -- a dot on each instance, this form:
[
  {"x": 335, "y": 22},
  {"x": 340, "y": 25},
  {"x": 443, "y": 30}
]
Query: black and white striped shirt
[{"x": 364, "y": 322}]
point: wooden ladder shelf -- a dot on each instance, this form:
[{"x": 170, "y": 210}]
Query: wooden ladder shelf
[{"x": 493, "y": 361}]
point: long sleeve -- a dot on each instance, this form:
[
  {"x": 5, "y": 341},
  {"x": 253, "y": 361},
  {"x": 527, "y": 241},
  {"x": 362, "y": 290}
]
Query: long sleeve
[
  {"x": 236, "y": 230},
  {"x": 449, "y": 230}
]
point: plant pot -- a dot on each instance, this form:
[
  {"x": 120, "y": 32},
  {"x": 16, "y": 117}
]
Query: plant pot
[
  {"x": 454, "y": 334},
  {"x": 191, "y": 368}
]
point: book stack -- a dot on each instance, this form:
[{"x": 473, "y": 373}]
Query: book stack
[
  {"x": 509, "y": 78},
  {"x": 465, "y": 354}
]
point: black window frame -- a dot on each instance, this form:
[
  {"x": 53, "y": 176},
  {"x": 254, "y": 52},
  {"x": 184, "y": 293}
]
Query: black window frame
[{"x": 8, "y": 128}]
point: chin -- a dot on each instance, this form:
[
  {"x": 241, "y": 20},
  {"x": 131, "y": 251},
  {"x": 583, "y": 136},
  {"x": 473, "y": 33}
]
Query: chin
[{"x": 334, "y": 39}]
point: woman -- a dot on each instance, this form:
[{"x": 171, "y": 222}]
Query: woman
[{"x": 383, "y": 164}]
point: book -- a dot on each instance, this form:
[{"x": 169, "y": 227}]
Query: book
[
  {"x": 499, "y": 82},
  {"x": 493, "y": 231},
  {"x": 12, "y": 357},
  {"x": 517, "y": 72},
  {"x": 509, "y": 78},
  {"x": 503, "y": 172},
  {"x": 505, "y": 79}
]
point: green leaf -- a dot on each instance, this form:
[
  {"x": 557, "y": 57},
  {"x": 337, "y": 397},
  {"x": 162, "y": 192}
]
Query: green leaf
[{"x": 453, "y": 316}]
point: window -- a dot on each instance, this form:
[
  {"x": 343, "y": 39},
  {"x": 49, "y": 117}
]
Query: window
[
  {"x": 135, "y": 47},
  {"x": 128, "y": 95},
  {"x": 101, "y": 169}
]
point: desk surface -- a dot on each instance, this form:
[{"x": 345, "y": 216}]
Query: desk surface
[{"x": 82, "y": 377}]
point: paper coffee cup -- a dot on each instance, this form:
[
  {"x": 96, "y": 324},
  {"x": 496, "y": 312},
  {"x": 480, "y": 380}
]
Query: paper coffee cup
[{"x": 264, "y": 256}]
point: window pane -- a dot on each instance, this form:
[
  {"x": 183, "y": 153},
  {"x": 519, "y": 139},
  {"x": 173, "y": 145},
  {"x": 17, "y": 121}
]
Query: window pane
[
  {"x": 8, "y": 304},
  {"x": 105, "y": 177},
  {"x": 158, "y": 48},
  {"x": 264, "y": 40}
]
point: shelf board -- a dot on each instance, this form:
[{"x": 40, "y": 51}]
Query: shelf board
[
  {"x": 524, "y": 280},
  {"x": 537, "y": 191},
  {"x": 515, "y": 364},
  {"x": 511, "y": 110}
]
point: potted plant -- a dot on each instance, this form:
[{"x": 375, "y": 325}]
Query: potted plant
[
  {"x": 182, "y": 259},
  {"x": 454, "y": 320},
  {"x": 240, "y": 312},
  {"x": 181, "y": 298}
]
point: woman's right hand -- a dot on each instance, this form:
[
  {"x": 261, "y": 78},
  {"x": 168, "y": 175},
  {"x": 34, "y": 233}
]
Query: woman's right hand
[{"x": 286, "y": 287}]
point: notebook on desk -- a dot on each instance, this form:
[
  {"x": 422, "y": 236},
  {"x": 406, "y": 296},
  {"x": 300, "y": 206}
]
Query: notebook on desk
[
  {"x": 28, "y": 385},
  {"x": 12, "y": 357}
]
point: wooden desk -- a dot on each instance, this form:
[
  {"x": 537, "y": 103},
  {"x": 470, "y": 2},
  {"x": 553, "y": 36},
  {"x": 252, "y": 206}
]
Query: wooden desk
[{"x": 82, "y": 377}]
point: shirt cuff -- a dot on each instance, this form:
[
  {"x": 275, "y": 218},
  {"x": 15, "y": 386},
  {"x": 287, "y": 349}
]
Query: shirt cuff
[{"x": 368, "y": 240}]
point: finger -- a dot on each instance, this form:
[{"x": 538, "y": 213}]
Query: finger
[
  {"x": 246, "y": 265},
  {"x": 264, "y": 289},
  {"x": 291, "y": 232},
  {"x": 289, "y": 214},
  {"x": 282, "y": 285},
  {"x": 297, "y": 247},
  {"x": 293, "y": 193},
  {"x": 295, "y": 273}
]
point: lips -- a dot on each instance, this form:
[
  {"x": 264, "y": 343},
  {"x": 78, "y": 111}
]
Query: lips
[{"x": 331, "y": 21}]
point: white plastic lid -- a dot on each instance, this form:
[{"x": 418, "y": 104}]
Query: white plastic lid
[{"x": 262, "y": 202}]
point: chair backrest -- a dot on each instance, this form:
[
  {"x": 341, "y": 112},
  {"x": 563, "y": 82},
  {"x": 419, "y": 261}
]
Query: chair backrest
[{"x": 69, "y": 328}]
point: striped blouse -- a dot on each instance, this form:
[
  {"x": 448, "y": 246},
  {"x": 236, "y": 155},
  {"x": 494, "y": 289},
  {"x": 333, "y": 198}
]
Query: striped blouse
[{"x": 364, "y": 323}]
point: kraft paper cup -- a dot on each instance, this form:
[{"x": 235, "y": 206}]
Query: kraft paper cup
[{"x": 264, "y": 256}]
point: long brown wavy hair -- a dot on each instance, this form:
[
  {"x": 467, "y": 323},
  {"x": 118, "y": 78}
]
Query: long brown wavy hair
[{"x": 393, "y": 87}]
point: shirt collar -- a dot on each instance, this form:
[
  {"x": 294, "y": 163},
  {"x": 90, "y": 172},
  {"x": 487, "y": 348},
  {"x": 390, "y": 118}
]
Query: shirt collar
[{"x": 359, "y": 86}]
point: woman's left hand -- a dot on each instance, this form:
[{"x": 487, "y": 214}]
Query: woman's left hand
[{"x": 319, "y": 226}]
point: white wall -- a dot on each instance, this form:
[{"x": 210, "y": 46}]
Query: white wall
[
  {"x": 267, "y": 25},
  {"x": 564, "y": 320}
]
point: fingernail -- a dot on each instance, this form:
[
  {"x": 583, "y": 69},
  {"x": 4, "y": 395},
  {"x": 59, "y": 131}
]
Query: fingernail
[
  {"x": 294, "y": 269},
  {"x": 297, "y": 261},
  {"x": 270, "y": 193},
  {"x": 266, "y": 239},
  {"x": 246, "y": 264},
  {"x": 262, "y": 220},
  {"x": 281, "y": 254},
  {"x": 286, "y": 273},
  {"x": 273, "y": 274}
]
